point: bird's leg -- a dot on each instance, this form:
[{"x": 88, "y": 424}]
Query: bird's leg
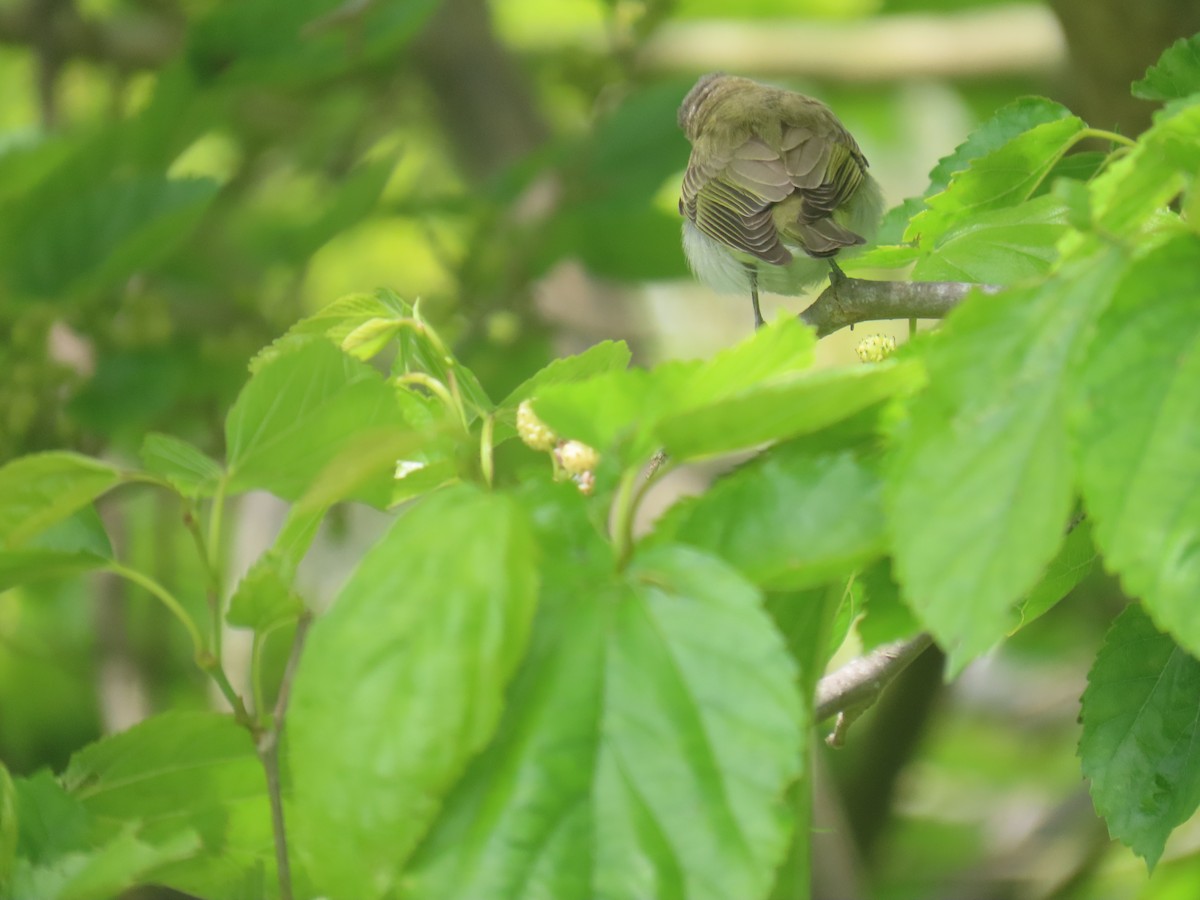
[
  {"x": 753, "y": 273},
  {"x": 836, "y": 275}
]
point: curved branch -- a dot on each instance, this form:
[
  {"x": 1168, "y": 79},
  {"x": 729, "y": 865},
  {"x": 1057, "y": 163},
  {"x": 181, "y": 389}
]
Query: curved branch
[
  {"x": 858, "y": 684},
  {"x": 854, "y": 300}
]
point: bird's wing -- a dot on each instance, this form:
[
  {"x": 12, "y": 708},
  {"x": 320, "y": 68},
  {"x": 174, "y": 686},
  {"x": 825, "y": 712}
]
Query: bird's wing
[
  {"x": 734, "y": 198},
  {"x": 730, "y": 198},
  {"x": 826, "y": 170}
]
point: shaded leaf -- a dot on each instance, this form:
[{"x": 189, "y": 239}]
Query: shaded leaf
[{"x": 1140, "y": 734}]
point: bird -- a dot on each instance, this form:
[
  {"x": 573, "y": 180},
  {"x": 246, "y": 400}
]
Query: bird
[{"x": 774, "y": 189}]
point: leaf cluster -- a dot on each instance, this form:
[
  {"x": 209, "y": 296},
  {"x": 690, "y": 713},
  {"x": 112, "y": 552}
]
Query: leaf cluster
[{"x": 520, "y": 694}]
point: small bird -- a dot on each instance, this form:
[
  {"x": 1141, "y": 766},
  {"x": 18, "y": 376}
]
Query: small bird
[{"x": 775, "y": 184}]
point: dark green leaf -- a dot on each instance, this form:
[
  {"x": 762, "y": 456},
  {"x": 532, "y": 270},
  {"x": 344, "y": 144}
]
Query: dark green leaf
[
  {"x": 100, "y": 232},
  {"x": 1138, "y": 435},
  {"x": 298, "y": 412},
  {"x": 791, "y": 519},
  {"x": 979, "y": 485},
  {"x": 1140, "y": 735},
  {"x": 37, "y": 491},
  {"x": 402, "y": 682},
  {"x": 886, "y": 617},
  {"x": 8, "y": 830},
  {"x": 190, "y": 471},
  {"x": 1175, "y": 75}
]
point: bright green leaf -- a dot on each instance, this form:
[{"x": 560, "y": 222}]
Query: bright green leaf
[
  {"x": 1141, "y": 731},
  {"x": 1008, "y": 123},
  {"x": 182, "y": 773},
  {"x": 1002, "y": 246},
  {"x": 1138, "y": 435},
  {"x": 606, "y": 356},
  {"x": 190, "y": 471},
  {"x": 1139, "y": 184},
  {"x": 1175, "y": 75},
  {"x": 298, "y": 411},
  {"x": 652, "y": 734},
  {"x": 338, "y": 321},
  {"x": 264, "y": 597},
  {"x": 1005, "y": 177},
  {"x": 979, "y": 483},
  {"x": 37, "y": 491},
  {"x": 783, "y": 407},
  {"x": 791, "y": 519},
  {"x": 626, "y": 407},
  {"x": 402, "y": 682}
]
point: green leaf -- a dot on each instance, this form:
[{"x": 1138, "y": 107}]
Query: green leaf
[
  {"x": 182, "y": 774},
  {"x": 402, "y": 682},
  {"x": 783, "y": 407},
  {"x": 1074, "y": 562},
  {"x": 1009, "y": 122},
  {"x": 75, "y": 545},
  {"x": 886, "y": 618},
  {"x": 339, "y": 320},
  {"x": 265, "y": 597},
  {"x": 1137, "y": 433},
  {"x": 297, "y": 412},
  {"x": 1140, "y": 735},
  {"x": 1002, "y": 246},
  {"x": 1175, "y": 75},
  {"x": 61, "y": 854},
  {"x": 791, "y": 519},
  {"x": 623, "y": 408},
  {"x": 652, "y": 733},
  {"x": 979, "y": 483},
  {"x": 121, "y": 861},
  {"x": 606, "y": 356},
  {"x": 1005, "y": 177},
  {"x": 1142, "y": 182},
  {"x": 37, "y": 491},
  {"x": 98, "y": 232},
  {"x": 8, "y": 830},
  {"x": 187, "y": 469}
]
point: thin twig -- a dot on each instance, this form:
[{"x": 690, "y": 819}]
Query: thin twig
[
  {"x": 268, "y": 752},
  {"x": 859, "y": 683},
  {"x": 855, "y": 300}
]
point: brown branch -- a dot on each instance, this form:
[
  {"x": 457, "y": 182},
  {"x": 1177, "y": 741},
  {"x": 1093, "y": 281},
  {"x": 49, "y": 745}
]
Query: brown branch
[
  {"x": 854, "y": 300},
  {"x": 858, "y": 684}
]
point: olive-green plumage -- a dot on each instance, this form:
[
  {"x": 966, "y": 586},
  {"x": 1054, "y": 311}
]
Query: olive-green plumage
[{"x": 774, "y": 185}]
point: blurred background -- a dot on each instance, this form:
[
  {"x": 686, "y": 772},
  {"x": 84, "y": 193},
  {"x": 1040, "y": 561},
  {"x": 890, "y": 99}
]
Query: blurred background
[{"x": 180, "y": 180}]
